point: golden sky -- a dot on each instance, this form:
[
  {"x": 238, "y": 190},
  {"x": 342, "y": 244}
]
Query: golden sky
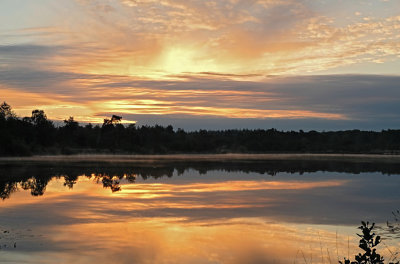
[{"x": 224, "y": 63}]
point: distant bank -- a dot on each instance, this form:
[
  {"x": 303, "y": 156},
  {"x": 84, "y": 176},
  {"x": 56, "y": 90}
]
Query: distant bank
[
  {"x": 36, "y": 135},
  {"x": 206, "y": 158}
]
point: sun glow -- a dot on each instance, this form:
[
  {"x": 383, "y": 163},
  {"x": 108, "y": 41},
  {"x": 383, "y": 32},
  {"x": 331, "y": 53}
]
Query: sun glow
[
  {"x": 178, "y": 60},
  {"x": 198, "y": 58}
]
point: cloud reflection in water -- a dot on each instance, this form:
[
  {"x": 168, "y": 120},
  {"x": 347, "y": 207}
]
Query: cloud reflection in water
[{"x": 214, "y": 217}]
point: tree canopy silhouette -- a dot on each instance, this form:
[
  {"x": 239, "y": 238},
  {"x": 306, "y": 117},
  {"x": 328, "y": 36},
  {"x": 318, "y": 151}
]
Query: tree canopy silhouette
[
  {"x": 39, "y": 135},
  {"x": 114, "y": 120},
  {"x": 368, "y": 242}
]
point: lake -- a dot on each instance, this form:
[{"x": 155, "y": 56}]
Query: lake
[{"x": 197, "y": 210}]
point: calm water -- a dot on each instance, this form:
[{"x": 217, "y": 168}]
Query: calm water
[{"x": 208, "y": 212}]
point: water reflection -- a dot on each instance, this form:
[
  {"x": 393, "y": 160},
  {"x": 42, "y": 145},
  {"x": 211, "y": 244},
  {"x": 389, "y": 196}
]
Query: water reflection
[
  {"x": 35, "y": 176},
  {"x": 208, "y": 212}
]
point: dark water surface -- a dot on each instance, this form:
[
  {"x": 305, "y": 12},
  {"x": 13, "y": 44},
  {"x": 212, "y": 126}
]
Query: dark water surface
[{"x": 193, "y": 212}]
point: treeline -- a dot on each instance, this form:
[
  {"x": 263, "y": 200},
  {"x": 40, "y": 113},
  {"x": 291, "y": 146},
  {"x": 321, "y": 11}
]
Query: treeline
[{"x": 38, "y": 135}]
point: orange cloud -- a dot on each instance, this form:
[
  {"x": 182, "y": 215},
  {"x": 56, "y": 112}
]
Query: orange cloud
[
  {"x": 219, "y": 36},
  {"x": 79, "y": 60}
]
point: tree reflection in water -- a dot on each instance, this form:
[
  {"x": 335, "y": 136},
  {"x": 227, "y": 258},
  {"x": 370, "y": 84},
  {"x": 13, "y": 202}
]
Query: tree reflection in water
[
  {"x": 220, "y": 206},
  {"x": 37, "y": 184},
  {"x": 36, "y": 176}
]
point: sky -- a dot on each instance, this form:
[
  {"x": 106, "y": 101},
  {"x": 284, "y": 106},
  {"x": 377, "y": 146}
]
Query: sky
[{"x": 220, "y": 64}]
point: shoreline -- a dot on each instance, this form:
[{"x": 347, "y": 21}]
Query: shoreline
[{"x": 203, "y": 157}]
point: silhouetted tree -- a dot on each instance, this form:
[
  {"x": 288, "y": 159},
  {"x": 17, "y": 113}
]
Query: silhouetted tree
[
  {"x": 368, "y": 242},
  {"x": 114, "y": 120},
  {"x": 38, "y": 117},
  {"x": 44, "y": 128},
  {"x": 6, "y": 111},
  {"x": 71, "y": 123},
  {"x": 38, "y": 135}
]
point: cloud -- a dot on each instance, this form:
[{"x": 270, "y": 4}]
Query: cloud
[
  {"x": 303, "y": 101},
  {"x": 159, "y": 38},
  {"x": 174, "y": 60},
  {"x": 238, "y": 37}
]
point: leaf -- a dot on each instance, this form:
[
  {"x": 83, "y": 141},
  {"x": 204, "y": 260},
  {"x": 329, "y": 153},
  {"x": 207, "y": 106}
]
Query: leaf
[{"x": 377, "y": 240}]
